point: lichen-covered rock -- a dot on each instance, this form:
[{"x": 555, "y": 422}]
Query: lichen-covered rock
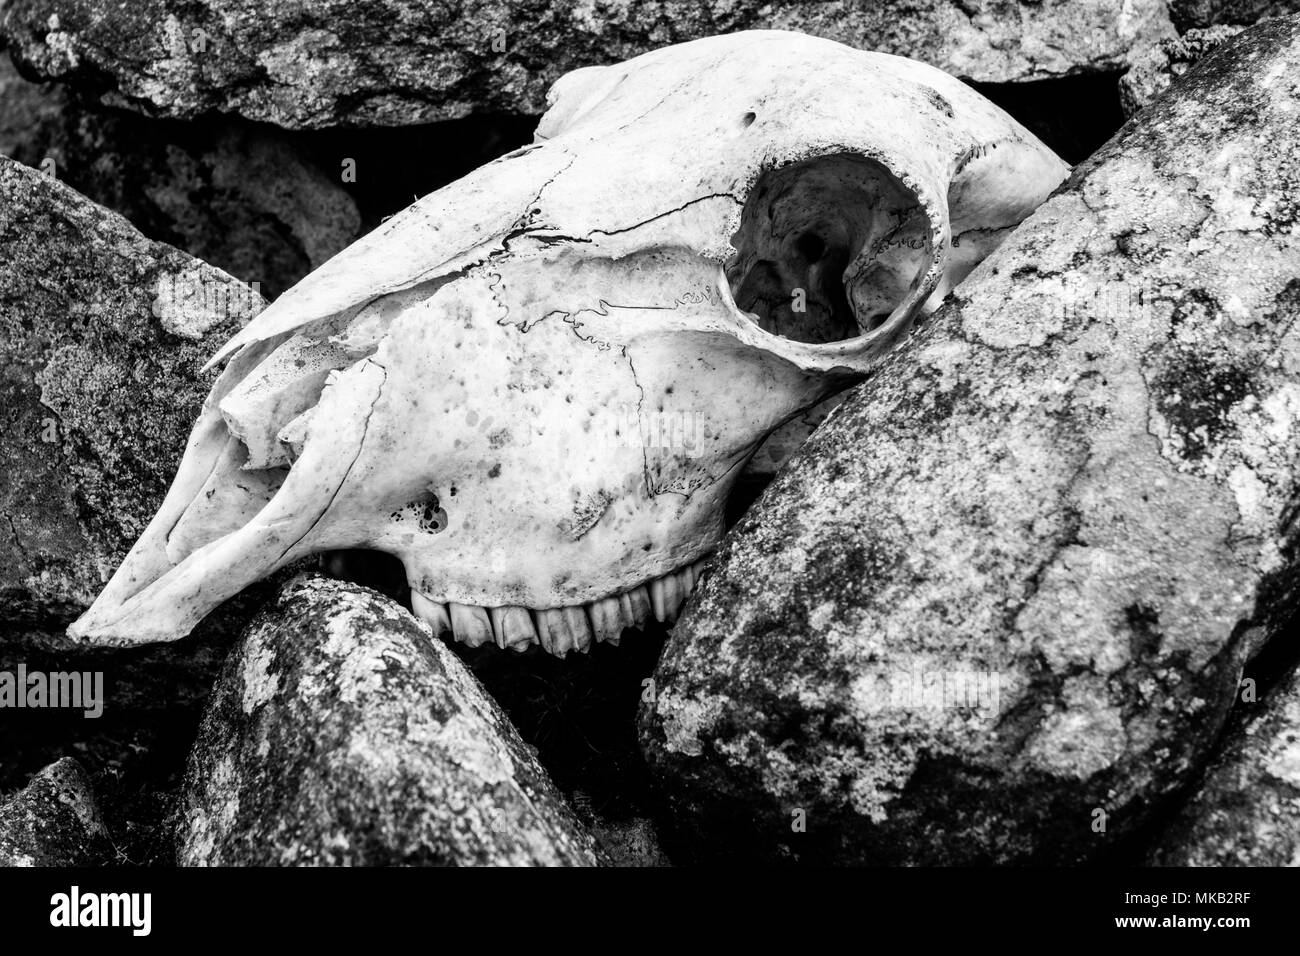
[
  {"x": 396, "y": 62},
  {"x": 102, "y": 336},
  {"x": 1246, "y": 812},
  {"x": 996, "y": 610},
  {"x": 1155, "y": 67},
  {"x": 341, "y": 732},
  {"x": 1194, "y": 14},
  {"x": 241, "y": 197},
  {"x": 54, "y": 821}
]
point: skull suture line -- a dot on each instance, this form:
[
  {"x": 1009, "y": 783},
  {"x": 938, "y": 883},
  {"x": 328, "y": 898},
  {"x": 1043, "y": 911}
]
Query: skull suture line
[{"x": 479, "y": 387}]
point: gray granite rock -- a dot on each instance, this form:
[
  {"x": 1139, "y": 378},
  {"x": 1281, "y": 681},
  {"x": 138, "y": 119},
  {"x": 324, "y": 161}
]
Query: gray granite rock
[
  {"x": 341, "y": 732},
  {"x": 397, "y": 62},
  {"x": 54, "y": 821},
  {"x": 996, "y": 609},
  {"x": 102, "y": 335}
]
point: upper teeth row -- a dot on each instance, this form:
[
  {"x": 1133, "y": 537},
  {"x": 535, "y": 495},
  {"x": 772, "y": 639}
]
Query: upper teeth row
[{"x": 561, "y": 629}]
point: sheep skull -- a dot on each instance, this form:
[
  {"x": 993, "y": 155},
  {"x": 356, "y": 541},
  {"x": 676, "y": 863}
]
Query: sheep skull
[{"x": 537, "y": 386}]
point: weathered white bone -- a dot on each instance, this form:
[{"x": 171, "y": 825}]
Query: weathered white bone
[{"x": 537, "y": 386}]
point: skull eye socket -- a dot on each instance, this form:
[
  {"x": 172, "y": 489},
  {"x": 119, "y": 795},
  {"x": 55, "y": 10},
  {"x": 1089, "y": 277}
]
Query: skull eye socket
[
  {"x": 810, "y": 246},
  {"x": 827, "y": 248}
]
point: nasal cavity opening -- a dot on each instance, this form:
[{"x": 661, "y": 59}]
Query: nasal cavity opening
[{"x": 827, "y": 248}]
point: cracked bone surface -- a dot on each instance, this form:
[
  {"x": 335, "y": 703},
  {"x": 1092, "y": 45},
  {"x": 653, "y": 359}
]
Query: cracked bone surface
[{"x": 537, "y": 386}]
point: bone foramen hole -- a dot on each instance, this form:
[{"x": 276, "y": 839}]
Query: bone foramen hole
[{"x": 827, "y": 248}]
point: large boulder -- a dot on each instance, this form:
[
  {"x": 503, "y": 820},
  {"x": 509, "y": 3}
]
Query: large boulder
[
  {"x": 1246, "y": 811},
  {"x": 397, "y": 62},
  {"x": 243, "y": 197},
  {"x": 342, "y": 732},
  {"x": 102, "y": 337},
  {"x": 997, "y": 608},
  {"x": 54, "y": 821}
]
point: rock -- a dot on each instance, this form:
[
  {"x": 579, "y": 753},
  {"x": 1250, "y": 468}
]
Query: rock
[
  {"x": 102, "y": 335},
  {"x": 1154, "y": 68},
  {"x": 342, "y": 732},
  {"x": 241, "y": 197},
  {"x": 395, "y": 62},
  {"x": 1246, "y": 812},
  {"x": 54, "y": 821},
  {"x": 1193, "y": 14},
  {"x": 997, "y": 608}
]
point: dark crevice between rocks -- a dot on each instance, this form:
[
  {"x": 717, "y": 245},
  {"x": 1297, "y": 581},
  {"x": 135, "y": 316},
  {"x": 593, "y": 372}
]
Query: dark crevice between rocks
[
  {"x": 1073, "y": 115},
  {"x": 397, "y": 165},
  {"x": 580, "y": 714}
]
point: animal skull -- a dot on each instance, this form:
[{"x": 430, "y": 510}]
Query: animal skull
[{"x": 537, "y": 386}]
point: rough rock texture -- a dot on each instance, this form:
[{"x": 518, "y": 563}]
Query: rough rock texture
[
  {"x": 342, "y": 732},
  {"x": 1003, "y": 597},
  {"x": 1191, "y": 14},
  {"x": 54, "y": 821},
  {"x": 1154, "y": 68},
  {"x": 239, "y": 196},
  {"x": 395, "y": 62},
  {"x": 102, "y": 335},
  {"x": 1246, "y": 812}
]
